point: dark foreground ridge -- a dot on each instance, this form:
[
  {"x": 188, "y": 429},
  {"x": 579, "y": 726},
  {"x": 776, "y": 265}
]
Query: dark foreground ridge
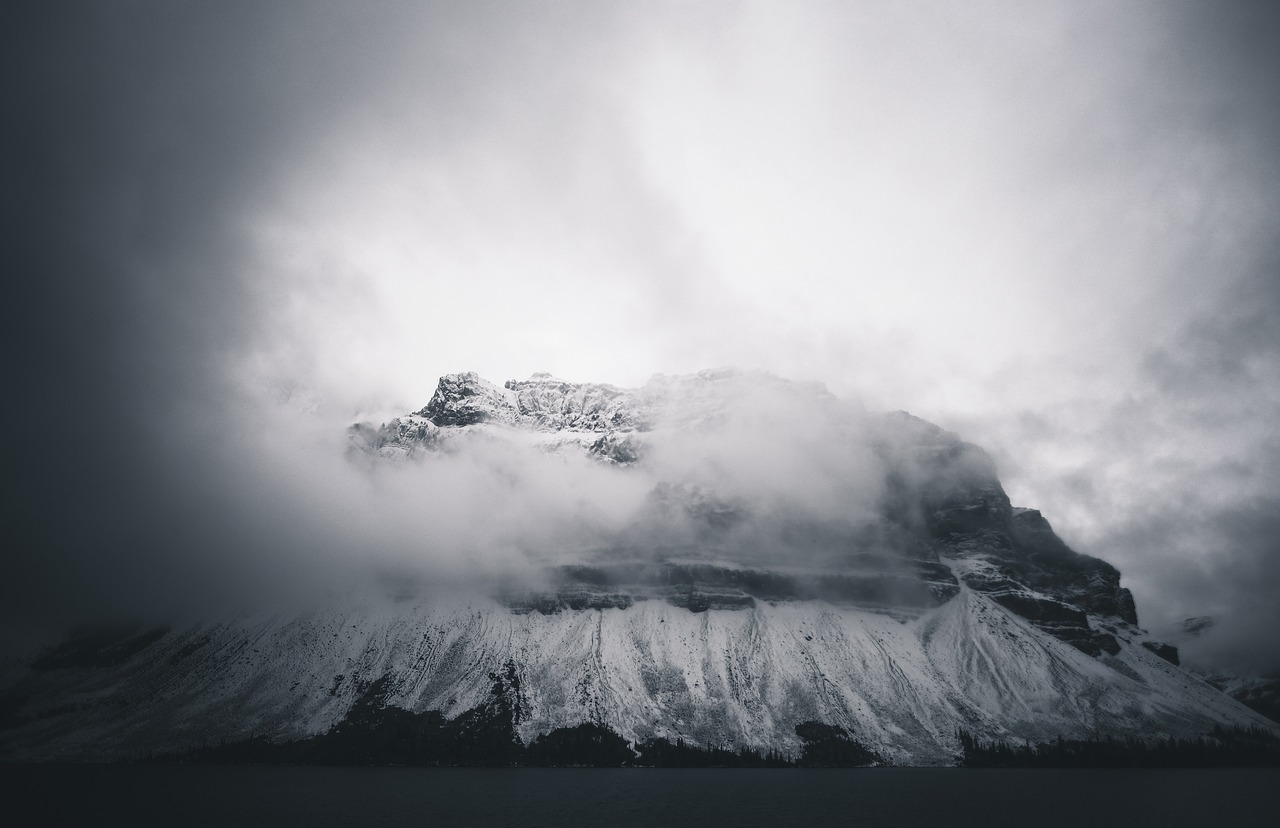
[
  {"x": 1222, "y": 748},
  {"x": 375, "y": 733}
]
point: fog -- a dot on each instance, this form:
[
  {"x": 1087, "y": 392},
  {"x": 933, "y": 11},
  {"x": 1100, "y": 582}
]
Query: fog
[
  {"x": 237, "y": 229},
  {"x": 735, "y": 466}
]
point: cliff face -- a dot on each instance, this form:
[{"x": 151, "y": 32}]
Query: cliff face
[
  {"x": 796, "y": 560},
  {"x": 942, "y": 500}
]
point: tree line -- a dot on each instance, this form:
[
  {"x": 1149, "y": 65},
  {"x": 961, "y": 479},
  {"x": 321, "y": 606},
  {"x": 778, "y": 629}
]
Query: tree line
[{"x": 1220, "y": 748}]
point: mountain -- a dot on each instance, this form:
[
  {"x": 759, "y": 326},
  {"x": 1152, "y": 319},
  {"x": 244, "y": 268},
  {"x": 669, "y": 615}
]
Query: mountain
[
  {"x": 790, "y": 572},
  {"x": 1257, "y": 690}
]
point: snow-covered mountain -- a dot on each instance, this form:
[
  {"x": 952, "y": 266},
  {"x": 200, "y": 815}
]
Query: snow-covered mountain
[{"x": 793, "y": 559}]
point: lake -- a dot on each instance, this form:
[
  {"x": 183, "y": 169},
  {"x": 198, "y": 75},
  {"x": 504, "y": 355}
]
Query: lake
[{"x": 555, "y": 797}]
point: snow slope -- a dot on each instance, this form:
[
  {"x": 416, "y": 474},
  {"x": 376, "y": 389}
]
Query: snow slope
[{"x": 720, "y": 677}]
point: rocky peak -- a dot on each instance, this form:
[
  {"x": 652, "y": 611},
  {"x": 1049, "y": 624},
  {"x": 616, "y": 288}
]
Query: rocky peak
[
  {"x": 467, "y": 399},
  {"x": 941, "y": 494},
  {"x": 540, "y": 403},
  {"x": 545, "y": 403}
]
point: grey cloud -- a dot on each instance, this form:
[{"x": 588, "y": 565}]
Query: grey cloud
[
  {"x": 142, "y": 129},
  {"x": 1128, "y": 156},
  {"x": 147, "y": 132},
  {"x": 1174, "y": 478},
  {"x": 1169, "y": 468}
]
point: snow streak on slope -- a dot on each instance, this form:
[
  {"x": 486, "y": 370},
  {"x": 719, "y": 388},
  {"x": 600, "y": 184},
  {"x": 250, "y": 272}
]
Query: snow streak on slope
[{"x": 721, "y": 677}]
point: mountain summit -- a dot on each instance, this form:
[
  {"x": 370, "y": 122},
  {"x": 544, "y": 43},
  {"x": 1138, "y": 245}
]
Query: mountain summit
[{"x": 725, "y": 559}]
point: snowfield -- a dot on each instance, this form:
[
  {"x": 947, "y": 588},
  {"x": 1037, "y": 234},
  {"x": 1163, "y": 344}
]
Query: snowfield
[{"x": 721, "y": 677}]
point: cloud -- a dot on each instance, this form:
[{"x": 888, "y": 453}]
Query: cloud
[
  {"x": 1050, "y": 228},
  {"x": 1172, "y": 476}
]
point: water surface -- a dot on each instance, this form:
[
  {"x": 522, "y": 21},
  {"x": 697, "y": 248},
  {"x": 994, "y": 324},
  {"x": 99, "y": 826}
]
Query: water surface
[{"x": 556, "y": 797}]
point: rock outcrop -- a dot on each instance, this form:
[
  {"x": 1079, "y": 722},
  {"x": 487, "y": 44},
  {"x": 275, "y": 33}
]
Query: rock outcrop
[{"x": 943, "y": 501}]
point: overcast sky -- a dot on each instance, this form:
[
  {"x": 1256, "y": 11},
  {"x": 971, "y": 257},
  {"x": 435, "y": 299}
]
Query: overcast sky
[{"x": 1051, "y": 227}]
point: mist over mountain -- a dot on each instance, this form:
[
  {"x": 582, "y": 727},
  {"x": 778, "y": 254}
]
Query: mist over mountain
[
  {"x": 1051, "y": 228},
  {"x": 727, "y": 560},
  {"x": 239, "y": 229},
  {"x": 730, "y": 470}
]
